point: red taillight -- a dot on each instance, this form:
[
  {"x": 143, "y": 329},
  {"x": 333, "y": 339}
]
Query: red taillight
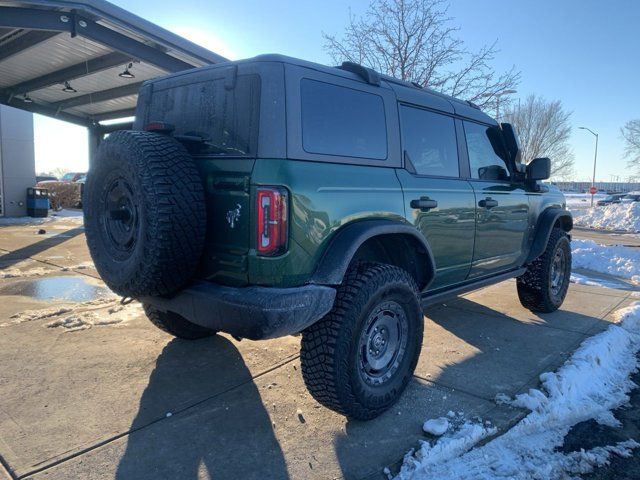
[
  {"x": 159, "y": 127},
  {"x": 273, "y": 229}
]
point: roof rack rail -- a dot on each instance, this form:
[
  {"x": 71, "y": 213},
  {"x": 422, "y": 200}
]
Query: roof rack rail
[
  {"x": 417, "y": 85},
  {"x": 367, "y": 74},
  {"x": 471, "y": 104}
]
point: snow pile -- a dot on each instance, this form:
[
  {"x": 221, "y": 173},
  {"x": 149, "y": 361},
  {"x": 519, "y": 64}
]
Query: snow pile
[
  {"x": 592, "y": 383},
  {"x": 616, "y": 260},
  {"x": 80, "y": 316},
  {"x": 447, "y": 447},
  {"x": 619, "y": 216}
]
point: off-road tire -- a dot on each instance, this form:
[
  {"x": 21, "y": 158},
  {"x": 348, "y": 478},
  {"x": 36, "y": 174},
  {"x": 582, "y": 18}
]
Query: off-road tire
[
  {"x": 331, "y": 354},
  {"x": 535, "y": 286},
  {"x": 176, "y": 325},
  {"x": 155, "y": 248}
]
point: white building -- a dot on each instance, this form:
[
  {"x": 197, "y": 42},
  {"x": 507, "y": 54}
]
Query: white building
[{"x": 17, "y": 160}]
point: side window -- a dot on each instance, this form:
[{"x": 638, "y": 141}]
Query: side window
[
  {"x": 342, "y": 121},
  {"x": 429, "y": 141},
  {"x": 487, "y": 154}
]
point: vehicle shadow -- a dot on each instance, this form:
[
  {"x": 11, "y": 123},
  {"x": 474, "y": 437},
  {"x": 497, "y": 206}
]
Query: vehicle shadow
[
  {"x": 23, "y": 253},
  {"x": 470, "y": 353},
  {"x": 218, "y": 427},
  {"x": 510, "y": 352}
]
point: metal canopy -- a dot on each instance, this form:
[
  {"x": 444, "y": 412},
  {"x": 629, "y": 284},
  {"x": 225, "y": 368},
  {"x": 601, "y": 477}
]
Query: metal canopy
[{"x": 84, "y": 45}]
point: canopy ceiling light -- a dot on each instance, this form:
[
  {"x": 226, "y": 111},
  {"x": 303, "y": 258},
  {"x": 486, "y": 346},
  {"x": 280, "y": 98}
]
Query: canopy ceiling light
[
  {"x": 68, "y": 88},
  {"x": 127, "y": 73},
  {"x": 27, "y": 98}
]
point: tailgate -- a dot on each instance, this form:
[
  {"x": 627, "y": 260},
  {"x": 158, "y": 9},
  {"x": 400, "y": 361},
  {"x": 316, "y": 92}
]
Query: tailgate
[{"x": 228, "y": 194}]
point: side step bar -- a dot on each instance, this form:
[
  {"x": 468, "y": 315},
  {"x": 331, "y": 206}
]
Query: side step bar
[{"x": 438, "y": 297}]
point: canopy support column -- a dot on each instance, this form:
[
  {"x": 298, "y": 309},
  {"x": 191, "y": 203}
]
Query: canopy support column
[{"x": 95, "y": 137}]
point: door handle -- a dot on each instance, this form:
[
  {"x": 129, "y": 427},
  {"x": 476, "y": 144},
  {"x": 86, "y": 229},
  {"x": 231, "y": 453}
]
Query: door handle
[
  {"x": 424, "y": 203},
  {"x": 488, "y": 203}
]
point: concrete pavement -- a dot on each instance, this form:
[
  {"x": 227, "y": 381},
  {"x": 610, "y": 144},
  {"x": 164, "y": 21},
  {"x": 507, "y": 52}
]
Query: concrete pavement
[{"x": 124, "y": 400}]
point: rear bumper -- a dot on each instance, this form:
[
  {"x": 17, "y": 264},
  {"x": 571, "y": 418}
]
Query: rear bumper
[{"x": 250, "y": 312}]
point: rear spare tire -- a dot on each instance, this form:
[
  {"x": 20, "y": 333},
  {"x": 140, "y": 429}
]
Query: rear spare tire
[{"x": 145, "y": 218}]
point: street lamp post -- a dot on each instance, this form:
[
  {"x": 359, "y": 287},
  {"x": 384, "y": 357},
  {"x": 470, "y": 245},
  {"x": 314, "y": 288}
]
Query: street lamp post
[
  {"x": 595, "y": 158},
  {"x": 498, "y": 95}
]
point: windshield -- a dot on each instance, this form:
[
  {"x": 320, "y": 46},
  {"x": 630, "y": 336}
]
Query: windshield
[{"x": 67, "y": 177}]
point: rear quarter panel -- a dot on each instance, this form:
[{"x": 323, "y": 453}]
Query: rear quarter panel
[{"x": 323, "y": 198}]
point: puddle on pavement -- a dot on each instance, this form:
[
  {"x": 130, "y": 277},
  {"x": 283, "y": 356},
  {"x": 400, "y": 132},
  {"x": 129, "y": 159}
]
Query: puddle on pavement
[{"x": 66, "y": 288}]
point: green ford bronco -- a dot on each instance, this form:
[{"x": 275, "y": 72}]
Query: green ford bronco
[{"x": 274, "y": 196}]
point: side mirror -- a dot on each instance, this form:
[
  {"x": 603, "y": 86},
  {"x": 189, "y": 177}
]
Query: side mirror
[{"x": 539, "y": 169}]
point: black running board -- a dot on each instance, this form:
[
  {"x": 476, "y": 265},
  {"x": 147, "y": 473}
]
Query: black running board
[{"x": 437, "y": 297}]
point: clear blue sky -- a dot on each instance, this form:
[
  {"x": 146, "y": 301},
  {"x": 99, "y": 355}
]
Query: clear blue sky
[{"x": 584, "y": 53}]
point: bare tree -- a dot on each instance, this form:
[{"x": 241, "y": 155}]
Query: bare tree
[
  {"x": 631, "y": 135},
  {"x": 415, "y": 41},
  {"x": 544, "y": 128}
]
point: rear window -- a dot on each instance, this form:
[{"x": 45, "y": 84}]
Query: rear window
[
  {"x": 342, "y": 121},
  {"x": 225, "y": 119}
]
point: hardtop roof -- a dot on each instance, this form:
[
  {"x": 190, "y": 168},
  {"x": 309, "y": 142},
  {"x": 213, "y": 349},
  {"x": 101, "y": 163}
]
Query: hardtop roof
[{"x": 405, "y": 91}]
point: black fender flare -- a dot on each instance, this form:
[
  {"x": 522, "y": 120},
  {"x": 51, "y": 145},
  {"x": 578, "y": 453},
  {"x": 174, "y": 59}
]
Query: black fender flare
[
  {"x": 346, "y": 241},
  {"x": 545, "y": 224}
]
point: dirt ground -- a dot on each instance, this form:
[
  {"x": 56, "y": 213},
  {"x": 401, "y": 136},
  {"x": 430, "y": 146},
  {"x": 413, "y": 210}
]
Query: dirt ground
[{"x": 90, "y": 389}]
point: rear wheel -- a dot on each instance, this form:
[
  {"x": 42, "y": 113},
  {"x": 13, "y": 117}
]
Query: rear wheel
[
  {"x": 545, "y": 284},
  {"x": 176, "y": 325},
  {"x": 358, "y": 359}
]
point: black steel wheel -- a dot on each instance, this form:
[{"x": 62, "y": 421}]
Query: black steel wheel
[
  {"x": 383, "y": 343},
  {"x": 558, "y": 273},
  {"x": 121, "y": 224}
]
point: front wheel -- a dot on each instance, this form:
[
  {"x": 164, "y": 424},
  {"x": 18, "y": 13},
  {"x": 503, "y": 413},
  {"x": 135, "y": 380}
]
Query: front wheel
[
  {"x": 359, "y": 358},
  {"x": 544, "y": 285}
]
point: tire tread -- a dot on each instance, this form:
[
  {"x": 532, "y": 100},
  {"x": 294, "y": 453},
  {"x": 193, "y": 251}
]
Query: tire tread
[
  {"x": 533, "y": 286},
  {"x": 325, "y": 345}
]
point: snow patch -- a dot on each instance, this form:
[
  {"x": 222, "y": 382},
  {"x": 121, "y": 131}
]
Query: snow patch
[
  {"x": 114, "y": 315},
  {"x": 615, "y": 260},
  {"x": 31, "y": 315},
  {"x": 80, "y": 316},
  {"x": 72, "y": 323},
  {"x": 17, "y": 273},
  {"x": 596, "y": 282},
  {"x": 40, "y": 271},
  {"x": 619, "y": 216},
  {"x": 70, "y": 216},
  {"x": 592, "y": 383}
]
